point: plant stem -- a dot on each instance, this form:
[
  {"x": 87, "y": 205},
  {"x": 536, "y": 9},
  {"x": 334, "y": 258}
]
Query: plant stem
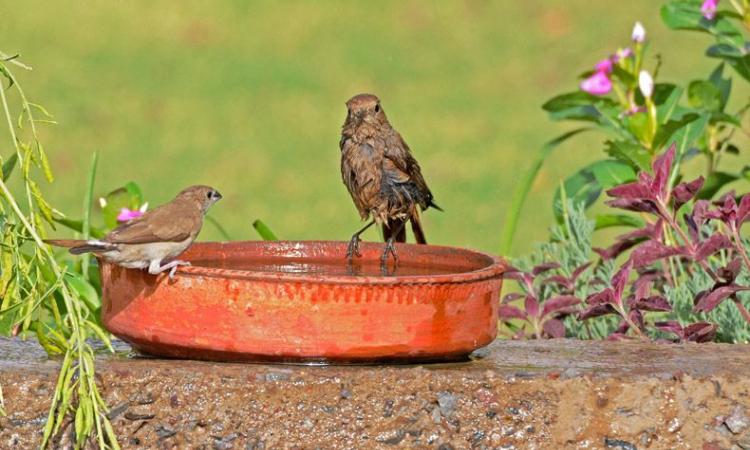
[
  {"x": 743, "y": 252},
  {"x": 736, "y": 6},
  {"x": 740, "y": 246},
  {"x": 743, "y": 311},
  {"x": 621, "y": 310},
  {"x": 87, "y": 199}
]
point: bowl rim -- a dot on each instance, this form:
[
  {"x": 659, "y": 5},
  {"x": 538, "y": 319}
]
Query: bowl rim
[{"x": 495, "y": 269}]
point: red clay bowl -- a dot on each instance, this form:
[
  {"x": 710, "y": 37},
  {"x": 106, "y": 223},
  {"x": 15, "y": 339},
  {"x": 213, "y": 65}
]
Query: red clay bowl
[{"x": 300, "y": 302}]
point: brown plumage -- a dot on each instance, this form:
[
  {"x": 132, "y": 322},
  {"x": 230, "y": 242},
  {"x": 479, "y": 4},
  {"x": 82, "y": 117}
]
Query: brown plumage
[
  {"x": 381, "y": 174},
  {"x": 159, "y": 235}
]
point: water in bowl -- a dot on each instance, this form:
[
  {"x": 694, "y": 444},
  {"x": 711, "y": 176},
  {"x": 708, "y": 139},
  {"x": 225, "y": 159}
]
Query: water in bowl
[{"x": 328, "y": 267}]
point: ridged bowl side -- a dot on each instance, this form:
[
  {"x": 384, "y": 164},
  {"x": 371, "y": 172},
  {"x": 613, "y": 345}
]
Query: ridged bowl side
[{"x": 236, "y": 315}]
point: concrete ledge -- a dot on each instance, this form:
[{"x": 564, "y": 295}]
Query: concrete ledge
[{"x": 534, "y": 394}]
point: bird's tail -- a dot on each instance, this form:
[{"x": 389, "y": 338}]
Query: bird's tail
[
  {"x": 416, "y": 227},
  {"x": 78, "y": 246},
  {"x": 432, "y": 204},
  {"x": 395, "y": 229}
]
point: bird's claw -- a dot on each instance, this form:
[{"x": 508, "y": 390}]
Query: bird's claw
[
  {"x": 389, "y": 248},
  {"x": 176, "y": 265},
  {"x": 353, "y": 249}
]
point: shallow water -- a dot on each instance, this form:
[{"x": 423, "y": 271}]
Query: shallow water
[
  {"x": 330, "y": 268},
  {"x": 14, "y": 350}
]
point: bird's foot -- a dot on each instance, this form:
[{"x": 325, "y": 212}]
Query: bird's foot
[
  {"x": 174, "y": 268},
  {"x": 171, "y": 266},
  {"x": 353, "y": 249},
  {"x": 389, "y": 248}
]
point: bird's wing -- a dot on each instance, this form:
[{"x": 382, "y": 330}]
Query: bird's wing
[
  {"x": 361, "y": 173},
  {"x": 171, "y": 222},
  {"x": 401, "y": 165}
]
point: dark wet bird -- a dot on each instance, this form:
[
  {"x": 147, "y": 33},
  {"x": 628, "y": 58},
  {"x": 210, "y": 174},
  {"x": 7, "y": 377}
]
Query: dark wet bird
[
  {"x": 381, "y": 174},
  {"x": 156, "y": 238}
]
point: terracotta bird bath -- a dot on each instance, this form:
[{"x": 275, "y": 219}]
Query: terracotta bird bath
[{"x": 300, "y": 301}]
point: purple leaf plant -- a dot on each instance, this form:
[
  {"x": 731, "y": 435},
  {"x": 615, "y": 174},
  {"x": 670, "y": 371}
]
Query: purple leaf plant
[
  {"x": 543, "y": 317},
  {"x": 681, "y": 237}
]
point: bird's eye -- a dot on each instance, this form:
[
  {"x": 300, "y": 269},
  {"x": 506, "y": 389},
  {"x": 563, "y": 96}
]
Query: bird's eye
[
  {"x": 377, "y": 108},
  {"x": 210, "y": 194}
]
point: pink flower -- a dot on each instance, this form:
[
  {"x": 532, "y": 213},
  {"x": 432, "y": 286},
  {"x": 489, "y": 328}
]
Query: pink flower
[
  {"x": 708, "y": 9},
  {"x": 128, "y": 214},
  {"x": 639, "y": 33},
  {"x": 635, "y": 109},
  {"x": 604, "y": 66},
  {"x": 623, "y": 53},
  {"x": 597, "y": 84}
]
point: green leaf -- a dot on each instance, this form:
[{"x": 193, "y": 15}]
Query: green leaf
[
  {"x": 135, "y": 192},
  {"x": 714, "y": 182},
  {"x": 586, "y": 185},
  {"x": 8, "y": 319},
  {"x": 686, "y": 15},
  {"x": 735, "y": 57},
  {"x": 9, "y": 165},
  {"x": 639, "y": 125},
  {"x": 681, "y": 15},
  {"x": 610, "y": 117},
  {"x": 572, "y": 106},
  {"x": 630, "y": 153},
  {"x": 623, "y": 75},
  {"x": 721, "y": 117},
  {"x": 666, "y": 97},
  {"x": 585, "y": 107},
  {"x": 685, "y": 136},
  {"x": 666, "y": 131},
  {"x": 725, "y": 51},
  {"x": 617, "y": 220},
  {"x": 704, "y": 95},
  {"x": 85, "y": 291},
  {"x": 724, "y": 85},
  {"x": 265, "y": 233},
  {"x": 610, "y": 173},
  {"x": 524, "y": 186},
  {"x": 580, "y": 188},
  {"x": 567, "y": 101}
]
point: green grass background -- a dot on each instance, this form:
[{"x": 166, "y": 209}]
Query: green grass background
[{"x": 248, "y": 96}]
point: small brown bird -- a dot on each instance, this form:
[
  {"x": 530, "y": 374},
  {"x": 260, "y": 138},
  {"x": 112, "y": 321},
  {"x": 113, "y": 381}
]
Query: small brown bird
[
  {"x": 381, "y": 174},
  {"x": 159, "y": 235}
]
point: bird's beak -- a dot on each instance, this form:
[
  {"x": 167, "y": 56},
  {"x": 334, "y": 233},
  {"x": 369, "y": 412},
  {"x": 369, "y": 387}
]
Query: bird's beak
[{"x": 218, "y": 196}]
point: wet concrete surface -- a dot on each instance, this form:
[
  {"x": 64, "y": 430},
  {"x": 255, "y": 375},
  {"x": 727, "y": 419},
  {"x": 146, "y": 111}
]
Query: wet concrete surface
[{"x": 513, "y": 395}]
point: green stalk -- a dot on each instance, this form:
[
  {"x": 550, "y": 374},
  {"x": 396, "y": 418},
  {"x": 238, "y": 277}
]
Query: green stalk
[
  {"x": 523, "y": 188},
  {"x": 265, "y": 233},
  {"x": 87, "y": 200},
  {"x": 219, "y": 227},
  {"x": 74, "y": 323}
]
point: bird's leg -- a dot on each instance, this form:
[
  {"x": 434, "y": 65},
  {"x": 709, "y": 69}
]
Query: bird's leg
[
  {"x": 353, "y": 249},
  {"x": 390, "y": 248},
  {"x": 155, "y": 267}
]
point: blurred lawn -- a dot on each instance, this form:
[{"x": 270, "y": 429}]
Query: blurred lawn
[{"x": 249, "y": 97}]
